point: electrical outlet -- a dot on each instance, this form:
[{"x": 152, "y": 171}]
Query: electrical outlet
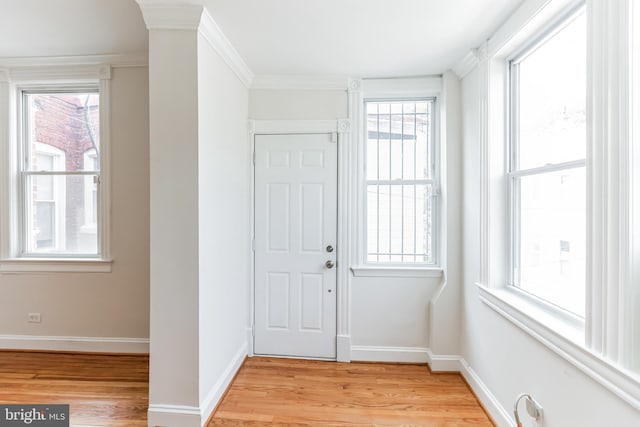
[{"x": 33, "y": 317}]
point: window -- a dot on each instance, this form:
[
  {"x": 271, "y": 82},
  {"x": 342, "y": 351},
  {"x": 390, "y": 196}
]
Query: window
[
  {"x": 547, "y": 177},
  {"x": 401, "y": 181},
  {"x": 59, "y": 172}
]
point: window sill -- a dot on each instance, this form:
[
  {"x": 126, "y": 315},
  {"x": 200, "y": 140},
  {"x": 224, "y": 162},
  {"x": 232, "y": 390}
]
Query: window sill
[
  {"x": 566, "y": 339},
  {"x": 55, "y": 265},
  {"x": 395, "y": 271}
]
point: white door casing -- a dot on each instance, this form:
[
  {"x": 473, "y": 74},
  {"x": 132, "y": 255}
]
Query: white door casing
[{"x": 295, "y": 223}]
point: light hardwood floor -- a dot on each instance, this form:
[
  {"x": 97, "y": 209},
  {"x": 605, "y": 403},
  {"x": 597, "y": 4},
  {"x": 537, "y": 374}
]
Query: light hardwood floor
[
  {"x": 102, "y": 390},
  {"x": 279, "y": 392},
  {"x": 107, "y": 390}
]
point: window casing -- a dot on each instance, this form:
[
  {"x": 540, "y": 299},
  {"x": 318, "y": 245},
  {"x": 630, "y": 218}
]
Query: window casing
[
  {"x": 73, "y": 245},
  {"x": 604, "y": 343},
  {"x": 547, "y": 166},
  {"x": 400, "y": 181}
]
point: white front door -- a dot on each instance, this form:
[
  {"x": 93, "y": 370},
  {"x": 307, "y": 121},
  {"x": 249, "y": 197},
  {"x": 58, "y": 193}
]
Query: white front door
[{"x": 295, "y": 245}]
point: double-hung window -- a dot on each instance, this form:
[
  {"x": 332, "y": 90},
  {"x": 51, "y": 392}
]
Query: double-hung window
[
  {"x": 59, "y": 172},
  {"x": 401, "y": 181},
  {"x": 547, "y": 167}
]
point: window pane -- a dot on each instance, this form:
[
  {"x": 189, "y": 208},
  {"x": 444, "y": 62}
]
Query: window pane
[
  {"x": 399, "y": 149},
  {"x": 57, "y": 221},
  {"x": 399, "y": 223},
  {"x": 552, "y": 99},
  {"x": 552, "y": 245},
  {"x": 67, "y": 123}
]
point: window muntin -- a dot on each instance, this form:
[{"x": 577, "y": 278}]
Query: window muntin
[
  {"x": 400, "y": 181},
  {"x": 547, "y": 167},
  {"x": 59, "y": 128}
]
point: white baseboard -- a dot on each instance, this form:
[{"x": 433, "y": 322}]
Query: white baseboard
[
  {"x": 343, "y": 348},
  {"x": 443, "y": 362},
  {"x": 497, "y": 412},
  {"x": 173, "y": 416},
  {"x": 85, "y": 344},
  {"x": 389, "y": 354},
  {"x": 218, "y": 389},
  {"x": 249, "y": 333}
]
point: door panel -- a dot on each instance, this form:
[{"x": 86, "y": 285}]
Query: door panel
[{"x": 295, "y": 221}]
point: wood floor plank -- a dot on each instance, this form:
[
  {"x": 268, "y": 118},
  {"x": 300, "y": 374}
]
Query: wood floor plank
[
  {"x": 108, "y": 390},
  {"x": 285, "y": 392},
  {"x": 102, "y": 390}
]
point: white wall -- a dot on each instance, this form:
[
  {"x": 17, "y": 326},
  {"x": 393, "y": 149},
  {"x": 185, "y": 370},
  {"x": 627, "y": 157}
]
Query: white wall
[
  {"x": 224, "y": 230},
  {"x": 390, "y": 316},
  {"x": 297, "y": 104},
  {"x": 98, "y": 305},
  {"x": 505, "y": 358}
]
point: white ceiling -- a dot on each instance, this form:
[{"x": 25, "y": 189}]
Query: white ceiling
[
  {"x": 365, "y": 38},
  {"x": 70, "y": 27}
]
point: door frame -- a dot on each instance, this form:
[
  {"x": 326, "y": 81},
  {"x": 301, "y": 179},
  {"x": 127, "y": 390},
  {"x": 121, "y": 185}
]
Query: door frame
[{"x": 341, "y": 128}]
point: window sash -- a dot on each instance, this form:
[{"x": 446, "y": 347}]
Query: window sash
[
  {"x": 431, "y": 182},
  {"x": 514, "y": 172},
  {"x": 25, "y": 172}
]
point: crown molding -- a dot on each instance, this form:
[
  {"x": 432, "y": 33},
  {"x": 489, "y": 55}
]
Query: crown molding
[
  {"x": 299, "y": 82},
  {"x": 219, "y": 42},
  {"x": 466, "y": 64},
  {"x": 170, "y": 15},
  {"x": 139, "y": 59}
]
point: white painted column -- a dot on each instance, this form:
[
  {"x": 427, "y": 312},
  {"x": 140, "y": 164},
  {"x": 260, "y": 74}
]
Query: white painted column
[
  {"x": 444, "y": 306},
  {"x": 174, "y": 323}
]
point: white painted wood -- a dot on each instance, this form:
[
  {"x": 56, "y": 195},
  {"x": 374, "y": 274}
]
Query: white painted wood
[
  {"x": 497, "y": 412},
  {"x": 48, "y": 75},
  {"x": 389, "y": 354},
  {"x": 551, "y": 333},
  {"x": 74, "y": 265},
  {"x": 394, "y": 271},
  {"x": 295, "y": 215},
  {"x": 72, "y": 343},
  {"x": 211, "y": 400}
]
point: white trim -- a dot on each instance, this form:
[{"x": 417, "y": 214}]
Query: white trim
[
  {"x": 623, "y": 384},
  {"x": 216, "y": 38},
  {"x": 119, "y": 60},
  {"x": 395, "y": 271},
  {"x": 443, "y": 362},
  {"x": 299, "y": 82},
  {"x": 165, "y": 16},
  {"x": 490, "y": 403},
  {"x": 57, "y": 74},
  {"x": 466, "y": 64},
  {"x": 343, "y": 348},
  {"x": 71, "y": 343},
  {"x": 266, "y": 127},
  {"x": 249, "y": 335},
  {"x": 210, "y": 402},
  {"x": 415, "y": 87},
  {"x": 389, "y": 354},
  {"x": 174, "y": 415},
  {"x": 104, "y": 187},
  {"x": 59, "y": 265}
]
